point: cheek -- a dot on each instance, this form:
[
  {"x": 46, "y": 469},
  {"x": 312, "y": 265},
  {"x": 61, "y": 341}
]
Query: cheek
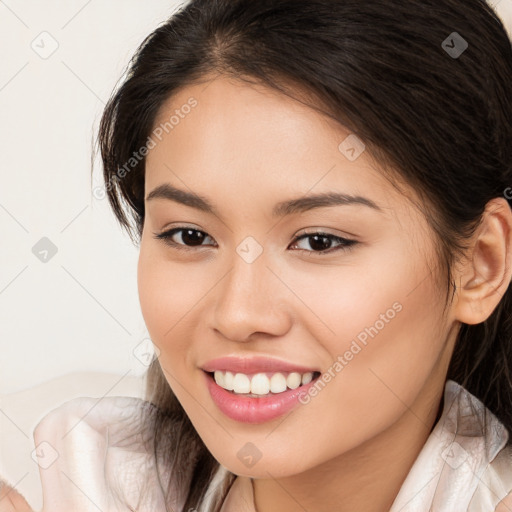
[
  {"x": 390, "y": 343},
  {"x": 386, "y": 301},
  {"x": 380, "y": 326},
  {"x": 341, "y": 302},
  {"x": 155, "y": 295},
  {"x": 169, "y": 295}
]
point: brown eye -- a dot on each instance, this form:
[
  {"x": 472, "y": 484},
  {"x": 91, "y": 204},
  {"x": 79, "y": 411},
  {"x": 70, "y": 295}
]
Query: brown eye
[
  {"x": 189, "y": 237},
  {"x": 321, "y": 242}
]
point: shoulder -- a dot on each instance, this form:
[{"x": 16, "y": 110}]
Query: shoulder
[
  {"x": 94, "y": 424},
  {"x": 105, "y": 448},
  {"x": 97, "y": 413}
]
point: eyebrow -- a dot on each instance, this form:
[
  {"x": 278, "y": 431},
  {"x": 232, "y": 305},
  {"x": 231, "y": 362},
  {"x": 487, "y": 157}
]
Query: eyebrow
[{"x": 288, "y": 207}]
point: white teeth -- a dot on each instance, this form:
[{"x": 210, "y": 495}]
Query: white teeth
[
  {"x": 277, "y": 383},
  {"x": 219, "y": 378},
  {"x": 293, "y": 380},
  {"x": 228, "y": 381},
  {"x": 307, "y": 378},
  {"x": 241, "y": 383},
  {"x": 260, "y": 383}
]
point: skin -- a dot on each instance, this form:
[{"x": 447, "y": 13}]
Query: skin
[
  {"x": 11, "y": 500},
  {"x": 246, "y": 148}
]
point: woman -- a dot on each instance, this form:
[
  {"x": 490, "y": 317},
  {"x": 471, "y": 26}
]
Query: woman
[{"x": 320, "y": 190}]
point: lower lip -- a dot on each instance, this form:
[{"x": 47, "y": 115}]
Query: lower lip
[{"x": 248, "y": 409}]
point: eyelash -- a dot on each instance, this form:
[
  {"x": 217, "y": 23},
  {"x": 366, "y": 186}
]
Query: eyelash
[{"x": 345, "y": 243}]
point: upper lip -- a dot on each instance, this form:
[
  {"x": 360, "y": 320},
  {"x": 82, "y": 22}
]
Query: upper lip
[{"x": 253, "y": 364}]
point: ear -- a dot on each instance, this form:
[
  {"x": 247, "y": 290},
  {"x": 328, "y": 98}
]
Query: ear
[{"x": 485, "y": 276}]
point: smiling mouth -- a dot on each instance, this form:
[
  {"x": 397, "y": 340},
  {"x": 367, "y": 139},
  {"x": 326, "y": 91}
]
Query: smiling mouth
[{"x": 299, "y": 382}]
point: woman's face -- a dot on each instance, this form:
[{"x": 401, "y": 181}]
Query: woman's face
[{"x": 366, "y": 315}]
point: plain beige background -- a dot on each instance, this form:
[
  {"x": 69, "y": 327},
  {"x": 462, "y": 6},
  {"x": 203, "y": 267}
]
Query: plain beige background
[{"x": 71, "y": 325}]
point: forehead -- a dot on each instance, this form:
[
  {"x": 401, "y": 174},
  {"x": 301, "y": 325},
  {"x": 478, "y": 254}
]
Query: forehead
[{"x": 246, "y": 138}]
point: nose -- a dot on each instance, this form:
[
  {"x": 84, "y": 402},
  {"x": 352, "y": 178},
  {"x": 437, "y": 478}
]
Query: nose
[{"x": 252, "y": 301}]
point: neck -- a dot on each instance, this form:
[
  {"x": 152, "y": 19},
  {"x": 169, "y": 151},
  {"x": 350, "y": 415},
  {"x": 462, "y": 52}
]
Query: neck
[{"x": 368, "y": 477}]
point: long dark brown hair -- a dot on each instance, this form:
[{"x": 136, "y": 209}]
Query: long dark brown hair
[{"x": 425, "y": 84}]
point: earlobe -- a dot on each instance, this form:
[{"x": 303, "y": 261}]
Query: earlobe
[{"x": 485, "y": 276}]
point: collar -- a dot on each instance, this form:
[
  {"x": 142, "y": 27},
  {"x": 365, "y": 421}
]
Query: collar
[{"x": 448, "y": 469}]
